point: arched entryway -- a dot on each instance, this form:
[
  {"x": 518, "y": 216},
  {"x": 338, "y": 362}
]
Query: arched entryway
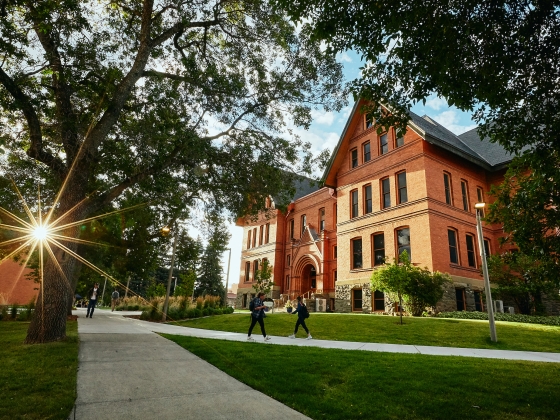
[{"x": 308, "y": 278}]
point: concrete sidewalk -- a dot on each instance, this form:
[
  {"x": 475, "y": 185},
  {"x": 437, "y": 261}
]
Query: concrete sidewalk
[
  {"x": 348, "y": 345},
  {"x": 126, "y": 371}
]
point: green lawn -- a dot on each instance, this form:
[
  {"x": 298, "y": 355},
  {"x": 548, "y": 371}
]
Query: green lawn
[
  {"x": 386, "y": 329},
  {"x": 340, "y": 384},
  {"x": 37, "y": 381}
]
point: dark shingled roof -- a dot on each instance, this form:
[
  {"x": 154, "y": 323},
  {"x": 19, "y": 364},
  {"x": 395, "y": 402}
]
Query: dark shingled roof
[
  {"x": 469, "y": 145},
  {"x": 305, "y": 186}
]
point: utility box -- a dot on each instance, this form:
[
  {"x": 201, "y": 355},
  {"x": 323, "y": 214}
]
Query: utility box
[
  {"x": 499, "y": 306},
  {"x": 321, "y": 305},
  {"x": 511, "y": 310}
]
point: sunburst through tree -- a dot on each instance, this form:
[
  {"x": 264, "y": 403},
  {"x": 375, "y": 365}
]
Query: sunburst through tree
[{"x": 40, "y": 234}]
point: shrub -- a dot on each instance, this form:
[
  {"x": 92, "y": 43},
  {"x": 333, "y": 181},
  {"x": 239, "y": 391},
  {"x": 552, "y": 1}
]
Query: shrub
[
  {"x": 205, "y": 312},
  {"x": 174, "y": 314},
  {"x": 199, "y": 302},
  {"x": 218, "y": 311},
  {"x": 197, "y": 313},
  {"x": 211, "y": 311},
  {"x": 136, "y": 307},
  {"x": 229, "y": 310},
  {"x": 190, "y": 313},
  {"x": 4, "y": 313},
  {"x": 14, "y": 311},
  {"x": 145, "y": 316},
  {"x": 528, "y": 319}
]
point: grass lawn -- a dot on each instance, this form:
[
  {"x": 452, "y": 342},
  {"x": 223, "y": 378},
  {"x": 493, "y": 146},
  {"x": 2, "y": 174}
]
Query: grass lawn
[
  {"x": 37, "y": 381},
  {"x": 386, "y": 329},
  {"x": 341, "y": 384}
]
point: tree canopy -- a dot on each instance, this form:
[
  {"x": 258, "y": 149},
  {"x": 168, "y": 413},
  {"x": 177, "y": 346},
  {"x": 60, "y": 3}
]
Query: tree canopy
[{"x": 170, "y": 101}]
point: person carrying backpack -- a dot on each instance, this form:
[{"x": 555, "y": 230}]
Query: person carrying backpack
[
  {"x": 114, "y": 300},
  {"x": 257, "y": 314},
  {"x": 303, "y": 313}
]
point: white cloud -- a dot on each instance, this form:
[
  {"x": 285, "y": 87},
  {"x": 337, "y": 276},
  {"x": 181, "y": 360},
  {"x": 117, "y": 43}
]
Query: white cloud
[
  {"x": 322, "y": 117},
  {"x": 437, "y": 103},
  {"x": 344, "y": 57},
  {"x": 451, "y": 120}
]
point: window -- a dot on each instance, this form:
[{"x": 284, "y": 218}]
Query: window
[
  {"x": 357, "y": 253},
  {"x": 254, "y": 237},
  {"x": 367, "y": 152},
  {"x": 249, "y": 239},
  {"x": 255, "y": 267},
  {"x": 354, "y": 157},
  {"x": 303, "y": 223},
  {"x": 335, "y": 211},
  {"x": 261, "y": 235},
  {"x": 383, "y": 144},
  {"x": 403, "y": 242},
  {"x": 367, "y": 199},
  {"x": 401, "y": 185},
  {"x": 354, "y": 209},
  {"x": 334, "y": 251},
  {"x": 334, "y": 275},
  {"x": 247, "y": 271},
  {"x": 288, "y": 282},
  {"x": 378, "y": 301},
  {"x": 321, "y": 220},
  {"x": 378, "y": 249},
  {"x": 470, "y": 251},
  {"x": 385, "y": 193},
  {"x": 267, "y": 235},
  {"x": 479, "y": 306},
  {"x": 487, "y": 247},
  {"x": 292, "y": 229},
  {"x": 447, "y": 185},
  {"x": 452, "y": 239},
  {"x": 288, "y": 260},
  {"x": 461, "y": 301},
  {"x": 465, "y": 194},
  {"x": 369, "y": 121},
  {"x": 400, "y": 138},
  {"x": 356, "y": 299},
  {"x": 480, "y": 198}
]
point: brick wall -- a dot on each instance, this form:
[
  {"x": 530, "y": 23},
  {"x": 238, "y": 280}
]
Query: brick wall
[{"x": 14, "y": 286}]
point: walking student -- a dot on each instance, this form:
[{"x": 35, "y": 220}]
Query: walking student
[
  {"x": 257, "y": 314},
  {"x": 114, "y": 299},
  {"x": 303, "y": 313},
  {"x": 92, "y": 295}
]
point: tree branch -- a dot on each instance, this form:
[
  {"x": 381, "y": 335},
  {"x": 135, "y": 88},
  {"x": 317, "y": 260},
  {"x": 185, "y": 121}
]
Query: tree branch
[{"x": 36, "y": 151}]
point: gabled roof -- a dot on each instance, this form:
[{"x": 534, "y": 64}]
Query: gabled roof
[
  {"x": 303, "y": 186},
  {"x": 490, "y": 156}
]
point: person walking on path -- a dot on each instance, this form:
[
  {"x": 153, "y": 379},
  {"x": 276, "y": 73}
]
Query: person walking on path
[
  {"x": 302, "y": 314},
  {"x": 114, "y": 300},
  {"x": 257, "y": 314},
  {"x": 92, "y": 295}
]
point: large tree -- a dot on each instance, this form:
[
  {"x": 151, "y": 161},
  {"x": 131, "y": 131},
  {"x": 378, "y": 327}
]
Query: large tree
[
  {"x": 164, "y": 99},
  {"x": 498, "y": 60}
]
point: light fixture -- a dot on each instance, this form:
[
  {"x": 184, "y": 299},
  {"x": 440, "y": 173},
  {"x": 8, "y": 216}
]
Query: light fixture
[{"x": 479, "y": 205}]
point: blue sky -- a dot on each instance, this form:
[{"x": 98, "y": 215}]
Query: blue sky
[{"x": 325, "y": 132}]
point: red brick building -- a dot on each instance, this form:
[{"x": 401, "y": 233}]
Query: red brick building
[
  {"x": 382, "y": 194},
  {"x": 15, "y": 287}
]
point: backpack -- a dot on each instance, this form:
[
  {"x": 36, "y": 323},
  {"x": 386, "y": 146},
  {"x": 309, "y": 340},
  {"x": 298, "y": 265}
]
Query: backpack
[
  {"x": 252, "y": 305},
  {"x": 115, "y": 295},
  {"x": 305, "y": 311}
]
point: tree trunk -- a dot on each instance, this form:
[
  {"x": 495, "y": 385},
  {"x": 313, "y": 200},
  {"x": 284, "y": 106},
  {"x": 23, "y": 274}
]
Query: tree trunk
[{"x": 56, "y": 291}]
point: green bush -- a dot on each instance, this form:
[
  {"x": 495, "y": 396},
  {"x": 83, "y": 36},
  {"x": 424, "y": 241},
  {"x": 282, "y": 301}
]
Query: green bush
[
  {"x": 145, "y": 316},
  {"x": 136, "y": 307},
  {"x": 528, "y": 319},
  {"x": 197, "y": 313},
  {"x": 174, "y": 314},
  {"x": 229, "y": 310},
  {"x": 190, "y": 313},
  {"x": 218, "y": 311},
  {"x": 211, "y": 311},
  {"x": 4, "y": 313},
  {"x": 205, "y": 312}
]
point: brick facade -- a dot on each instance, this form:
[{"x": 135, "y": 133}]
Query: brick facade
[
  {"x": 15, "y": 288},
  {"x": 388, "y": 190}
]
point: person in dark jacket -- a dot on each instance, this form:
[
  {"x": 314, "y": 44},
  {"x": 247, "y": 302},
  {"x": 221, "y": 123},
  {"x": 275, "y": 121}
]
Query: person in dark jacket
[
  {"x": 301, "y": 311},
  {"x": 92, "y": 295},
  {"x": 257, "y": 315}
]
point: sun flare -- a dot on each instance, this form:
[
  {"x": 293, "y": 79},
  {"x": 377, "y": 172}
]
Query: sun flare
[{"x": 41, "y": 233}]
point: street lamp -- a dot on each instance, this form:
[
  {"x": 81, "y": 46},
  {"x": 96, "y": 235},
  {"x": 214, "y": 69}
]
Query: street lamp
[
  {"x": 227, "y": 277},
  {"x": 103, "y": 294},
  {"x": 165, "y": 231},
  {"x": 489, "y": 305}
]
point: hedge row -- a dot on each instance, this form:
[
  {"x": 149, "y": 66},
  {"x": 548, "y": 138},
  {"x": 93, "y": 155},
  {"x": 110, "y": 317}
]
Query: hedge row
[
  {"x": 176, "y": 315},
  {"x": 528, "y": 319}
]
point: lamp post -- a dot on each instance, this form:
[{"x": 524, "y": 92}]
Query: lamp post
[
  {"x": 489, "y": 305},
  {"x": 103, "y": 293},
  {"x": 227, "y": 277},
  {"x": 165, "y": 231}
]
